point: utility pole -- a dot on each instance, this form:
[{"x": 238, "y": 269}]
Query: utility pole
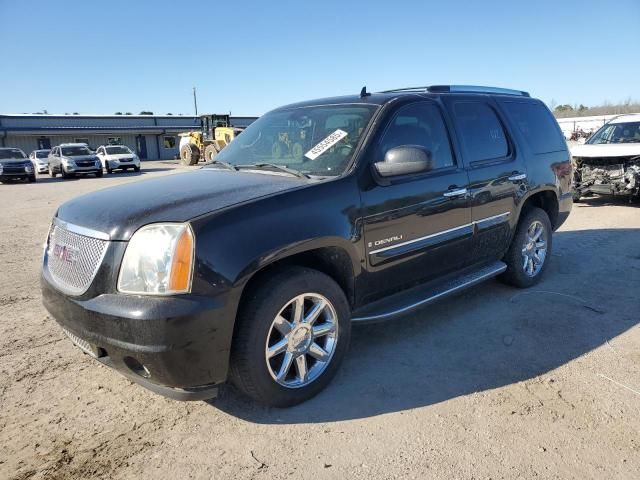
[{"x": 195, "y": 101}]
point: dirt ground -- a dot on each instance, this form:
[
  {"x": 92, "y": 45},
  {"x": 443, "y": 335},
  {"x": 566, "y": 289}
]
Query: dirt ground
[{"x": 493, "y": 383}]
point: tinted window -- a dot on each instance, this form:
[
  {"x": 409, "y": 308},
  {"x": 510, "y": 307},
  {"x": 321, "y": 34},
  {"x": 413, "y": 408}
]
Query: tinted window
[
  {"x": 419, "y": 124},
  {"x": 537, "y": 125},
  {"x": 480, "y": 131}
]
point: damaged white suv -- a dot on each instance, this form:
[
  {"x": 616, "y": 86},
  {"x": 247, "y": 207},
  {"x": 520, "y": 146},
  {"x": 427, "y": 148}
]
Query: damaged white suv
[{"x": 609, "y": 162}]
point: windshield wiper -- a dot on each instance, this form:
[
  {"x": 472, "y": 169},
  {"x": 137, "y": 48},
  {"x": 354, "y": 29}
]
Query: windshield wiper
[
  {"x": 274, "y": 166},
  {"x": 226, "y": 165}
]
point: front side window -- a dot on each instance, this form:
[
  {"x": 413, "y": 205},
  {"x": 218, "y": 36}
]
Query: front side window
[
  {"x": 628, "y": 132},
  {"x": 480, "y": 132},
  {"x": 75, "y": 151},
  {"x": 317, "y": 140},
  {"x": 419, "y": 124}
]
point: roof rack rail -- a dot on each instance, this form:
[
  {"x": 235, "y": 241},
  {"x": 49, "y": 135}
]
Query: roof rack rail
[
  {"x": 475, "y": 89},
  {"x": 460, "y": 89},
  {"x": 406, "y": 89}
]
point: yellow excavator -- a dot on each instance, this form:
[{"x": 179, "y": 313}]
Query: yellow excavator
[{"x": 215, "y": 133}]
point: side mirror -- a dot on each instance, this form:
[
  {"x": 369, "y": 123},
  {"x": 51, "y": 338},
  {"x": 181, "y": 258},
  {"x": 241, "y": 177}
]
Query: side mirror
[{"x": 404, "y": 160}]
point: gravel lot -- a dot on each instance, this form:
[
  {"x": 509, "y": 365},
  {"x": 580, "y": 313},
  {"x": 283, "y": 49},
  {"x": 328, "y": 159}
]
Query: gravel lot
[{"x": 493, "y": 383}]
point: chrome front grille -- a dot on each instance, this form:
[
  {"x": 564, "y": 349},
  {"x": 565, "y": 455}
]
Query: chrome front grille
[{"x": 72, "y": 258}]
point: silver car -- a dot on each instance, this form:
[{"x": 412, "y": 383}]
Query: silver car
[
  {"x": 40, "y": 160},
  {"x": 72, "y": 159}
]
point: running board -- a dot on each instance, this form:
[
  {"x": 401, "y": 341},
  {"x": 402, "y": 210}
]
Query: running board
[{"x": 422, "y": 295}]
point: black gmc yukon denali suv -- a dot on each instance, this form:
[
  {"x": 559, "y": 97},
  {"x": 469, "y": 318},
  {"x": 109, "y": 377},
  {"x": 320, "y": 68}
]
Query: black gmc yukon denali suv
[{"x": 321, "y": 215}]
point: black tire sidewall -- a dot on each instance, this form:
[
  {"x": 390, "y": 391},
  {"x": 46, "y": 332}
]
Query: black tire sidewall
[{"x": 256, "y": 321}]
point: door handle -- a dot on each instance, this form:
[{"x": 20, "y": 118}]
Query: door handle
[
  {"x": 455, "y": 193},
  {"x": 517, "y": 177}
]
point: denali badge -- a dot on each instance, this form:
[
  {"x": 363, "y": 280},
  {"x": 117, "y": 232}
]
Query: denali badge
[
  {"x": 384, "y": 241},
  {"x": 64, "y": 252}
]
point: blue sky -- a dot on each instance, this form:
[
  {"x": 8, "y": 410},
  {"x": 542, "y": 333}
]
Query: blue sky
[{"x": 107, "y": 56}]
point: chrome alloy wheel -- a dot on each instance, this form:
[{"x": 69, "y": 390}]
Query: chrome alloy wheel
[
  {"x": 534, "y": 250},
  {"x": 301, "y": 340}
]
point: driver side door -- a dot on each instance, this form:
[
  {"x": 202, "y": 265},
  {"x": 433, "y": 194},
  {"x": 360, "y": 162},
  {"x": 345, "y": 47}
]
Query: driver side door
[{"x": 417, "y": 227}]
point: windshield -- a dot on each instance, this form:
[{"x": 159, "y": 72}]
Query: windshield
[
  {"x": 617, "y": 133},
  {"x": 42, "y": 154},
  {"x": 11, "y": 153},
  {"x": 117, "y": 150},
  {"x": 75, "y": 151},
  {"x": 317, "y": 140}
]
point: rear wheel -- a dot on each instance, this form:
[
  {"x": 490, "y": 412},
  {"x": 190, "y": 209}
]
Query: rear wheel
[
  {"x": 530, "y": 249},
  {"x": 210, "y": 152},
  {"x": 292, "y": 334},
  {"x": 189, "y": 154}
]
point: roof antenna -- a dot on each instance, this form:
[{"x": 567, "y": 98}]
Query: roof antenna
[{"x": 364, "y": 93}]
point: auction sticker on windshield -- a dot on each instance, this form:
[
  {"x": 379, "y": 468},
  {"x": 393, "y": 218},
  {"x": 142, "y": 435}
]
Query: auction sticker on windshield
[{"x": 325, "y": 144}]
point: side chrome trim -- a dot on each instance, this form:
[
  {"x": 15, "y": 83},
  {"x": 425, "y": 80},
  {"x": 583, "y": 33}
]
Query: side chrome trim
[
  {"x": 84, "y": 231},
  {"x": 426, "y": 237},
  {"x": 488, "y": 221},
  {"x": 473, "y": 281}
]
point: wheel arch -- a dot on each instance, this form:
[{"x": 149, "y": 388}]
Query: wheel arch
[
  {"x": 332, "y": 260},
  {"x": 547, "y": 200}
]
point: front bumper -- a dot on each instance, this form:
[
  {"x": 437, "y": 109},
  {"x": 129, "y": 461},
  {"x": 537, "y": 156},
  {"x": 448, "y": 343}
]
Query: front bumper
[
  {"x": 15, "y": 176},
  {"x": 81, "y": 170},
  {"x": 176, "y": 346},
  {"x": 42, "y": 168}
]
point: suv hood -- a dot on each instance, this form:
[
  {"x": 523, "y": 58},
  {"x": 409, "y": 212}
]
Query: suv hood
[
  {"x": 606, "y": 150},
  {"x": 120, "y": 211}
]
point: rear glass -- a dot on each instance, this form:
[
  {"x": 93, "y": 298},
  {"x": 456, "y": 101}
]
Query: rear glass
[
  {"x": 537, "y": 126},
  {"x": 481, "y": 132}
]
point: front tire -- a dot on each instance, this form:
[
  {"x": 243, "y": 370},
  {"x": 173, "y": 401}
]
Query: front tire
[
  {"x": 189, "y": 154},
  {"x": 530, "y": 249},
  {"x": 32, "y": 179},
  {"x": 99, "y": 173},
  {"x": 291, "y": 337},
  {"x": 210, "y": 152},
  {"x": 52, "y": 172}
]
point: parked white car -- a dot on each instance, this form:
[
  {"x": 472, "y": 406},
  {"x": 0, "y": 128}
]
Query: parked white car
[
  {"x": 40, "y": 160},
  {"x": 115, "y": 157}
]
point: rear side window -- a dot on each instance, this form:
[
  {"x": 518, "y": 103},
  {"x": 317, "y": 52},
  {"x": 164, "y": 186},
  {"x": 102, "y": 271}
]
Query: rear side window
[
  {"x": 480, "y": 131},
  {"x": 420, "y": 124},
  {"x": 537, "y": 126}
]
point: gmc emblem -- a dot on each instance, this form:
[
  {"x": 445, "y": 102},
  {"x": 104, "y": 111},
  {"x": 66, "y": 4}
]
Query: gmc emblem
[{"x": 64, "y": 253}]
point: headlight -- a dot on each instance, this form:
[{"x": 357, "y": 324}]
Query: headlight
[
  {"x": 28, "y": 168},
  {"x": 1, "y": 168},
  {"x": 158, "y": 260},
  {"x": 68, "y": 163},
  {"x": 98, "y": 164}
]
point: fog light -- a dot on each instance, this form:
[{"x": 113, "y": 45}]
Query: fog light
[{"x": 136, "y": 367}]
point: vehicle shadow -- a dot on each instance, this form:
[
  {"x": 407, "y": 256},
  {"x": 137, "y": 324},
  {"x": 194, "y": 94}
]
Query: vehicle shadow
[
  {"x": 487, "y": 337},
  {"x": 601, "y": 201}
]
